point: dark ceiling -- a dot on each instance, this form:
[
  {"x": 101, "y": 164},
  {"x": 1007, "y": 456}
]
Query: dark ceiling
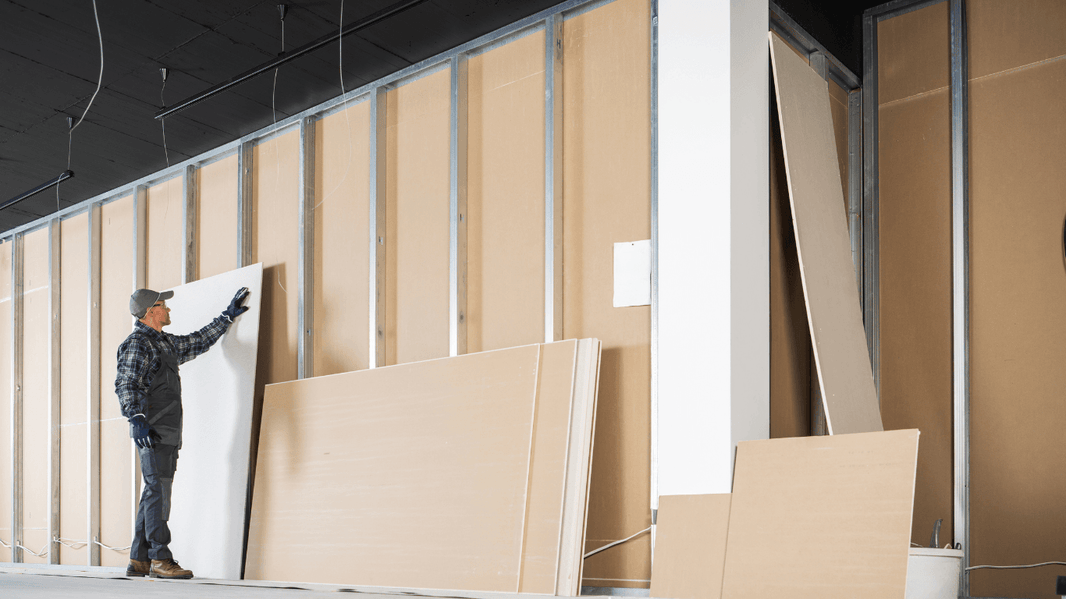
[{"x": 50, "y": 63}]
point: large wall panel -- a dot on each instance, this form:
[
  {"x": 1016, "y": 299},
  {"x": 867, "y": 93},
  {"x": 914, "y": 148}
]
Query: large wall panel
[
  {"x": 35, "y": 396},
  {"x": 116, "y": 448},
  {"x": 5, "y": 397},
  {"x": 341, "y": 251},
  {"x": 915, "y": 238},
  {"x": 505, "y": 229},
  {"x": 606, "y": 184},
  {"x": 417, "y": 116},
  {"x": 1017, "y": 286},
  {"x": 74, "y": 397},
  {"x": 216, "y": 221},
  {"x": 166, "y": 219}
]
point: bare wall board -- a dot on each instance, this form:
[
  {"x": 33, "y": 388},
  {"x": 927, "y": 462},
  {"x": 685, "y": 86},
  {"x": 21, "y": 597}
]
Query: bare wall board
[
  {"x": 690, "y": 546},
  {"x": 823, "y": 245},
  {"x": 822, "y": 517},
  {"x": 207, "y": 520}
]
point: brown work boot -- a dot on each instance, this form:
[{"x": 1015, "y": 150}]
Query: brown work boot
[
  {"x": 168, "y": 568},
  {"x": 138, "y": 568}
]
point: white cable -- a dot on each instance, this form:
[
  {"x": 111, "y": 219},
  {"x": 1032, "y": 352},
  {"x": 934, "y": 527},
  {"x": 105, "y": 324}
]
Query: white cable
[
  {"x": 609, "y": 545},
  {"x": 43, "y": 553},
  {"x": 163, "y": 122},
  {"x": 99, "y": 79},
  {"x": 126, "y": 548},
  {"x": 70, "y": 542},
  {"x": 4, "y": 544},
  {"x": 1017, "y": 567}
]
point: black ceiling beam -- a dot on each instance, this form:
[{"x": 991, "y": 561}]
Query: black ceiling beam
[
  {"x": 36, "y": 190},
  {"x": 284, "y": 57}
]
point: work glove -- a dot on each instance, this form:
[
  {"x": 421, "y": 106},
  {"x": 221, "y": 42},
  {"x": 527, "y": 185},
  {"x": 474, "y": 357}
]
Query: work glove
[
  {"x": 142, "y": 434},
  {"x": 236, "y": 308}
]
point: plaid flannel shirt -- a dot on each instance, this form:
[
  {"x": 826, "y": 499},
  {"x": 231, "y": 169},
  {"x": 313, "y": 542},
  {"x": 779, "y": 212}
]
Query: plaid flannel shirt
[{"x": 138, "y": 358}]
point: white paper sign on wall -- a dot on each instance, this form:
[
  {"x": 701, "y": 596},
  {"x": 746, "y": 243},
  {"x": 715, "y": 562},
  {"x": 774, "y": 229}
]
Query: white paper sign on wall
[{"x": 632, "y": 273}]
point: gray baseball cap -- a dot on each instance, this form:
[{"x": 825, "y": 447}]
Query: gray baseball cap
[{"x": 143, "y": 299}]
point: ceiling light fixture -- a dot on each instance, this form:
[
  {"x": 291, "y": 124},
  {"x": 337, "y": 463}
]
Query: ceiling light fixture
[
  {"x": 363, "y": 23},
  {"x": 43, "y": 186}
]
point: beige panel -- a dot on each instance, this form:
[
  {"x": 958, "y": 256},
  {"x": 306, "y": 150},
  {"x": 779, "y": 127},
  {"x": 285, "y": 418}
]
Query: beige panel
[
  {"x": 690, "y": 546},
  {"x": 216, "y": 233},
  {"x": 790, "y": 339},
  {"x": 116, "y": 449},
  {"x": 821, "y": 517},
  {"x": 1005, "y": 35},
  {"x": 5, "y": 393},
  {"x": 1017, "y": 283},
  {"x": 838, "y": 109},
  {"x": 165, "y": 241},
  {"x": 505, "y": 205},
  {"x": 434, "y": 454},
  {"x": 35, "y": 390},
  {"x": 823, "y": 245},
  {"x": 606, "y": 181},
  {"x": 275, "y": 243},
  {"x": 416, "y": 310},
  {"x": 341, "y": 279},
  {"x": 915, "y": 241},
  {"x": 72, "y": 494},
  {"x": 913, "y": 52},
  {"x": 74, "y": 395}
]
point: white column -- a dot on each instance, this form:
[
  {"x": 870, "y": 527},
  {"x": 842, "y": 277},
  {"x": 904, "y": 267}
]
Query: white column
[{"x": 713, "y": 257}]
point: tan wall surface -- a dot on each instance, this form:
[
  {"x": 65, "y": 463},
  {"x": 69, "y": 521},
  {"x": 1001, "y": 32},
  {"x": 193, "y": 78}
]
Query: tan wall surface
[
  {"x": 838, "y": 106},
  {"x": 5, "y": 393},
  {"x": 165, "y": 223},
  {"x": 417, "y": 116},
  {"x": 505, "y": 205},
  {"x": 35, "y": 393},
  {"x": 116, "y": 448},
  {"x": 915, "y": 237},
  {"x": 342, "y": 254},
  {"x": 275, "y": 237},
  {"x": 1017, "y": 283},
  {"x": 606, "y": 182},
  {"x": 74, "y": 397},
  {"x": 216, "y": 221}
]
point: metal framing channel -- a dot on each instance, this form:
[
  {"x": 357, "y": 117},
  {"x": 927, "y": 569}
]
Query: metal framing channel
[
  {"x": 17, "y": 263},
  {"x": 553, "y": 178},
  {"x": 140, "y": 281},
  {"x": 855, "y": 182},
  {"x": 871, "y": 284},
  {"x": 654, "y": 196},
  {"x": 245, "y": 158},
  {"x": 306, "y": 262},
  {"x": 189, "y": 271},
  {"x": 377, "y": 227},
  {"x": 960, "y": 277},
  {"x": 54, "y": 388},
  {"x": 93, "y": 380},
  {"x": 457, "y": 208}
]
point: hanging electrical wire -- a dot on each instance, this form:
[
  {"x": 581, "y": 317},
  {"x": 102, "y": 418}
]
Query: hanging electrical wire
[
  {"x": 344, "y": 106},
  {"x": 100, "y": 78},
  {"x": 163, "y": 122}
]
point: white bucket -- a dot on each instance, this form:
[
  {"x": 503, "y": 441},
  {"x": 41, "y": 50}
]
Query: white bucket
[{"x": 933, "y": 573}]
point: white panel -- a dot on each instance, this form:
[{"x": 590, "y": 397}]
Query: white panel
[
  {"x": 211, "y": 485},
  {"x": 632, "y": 273}
]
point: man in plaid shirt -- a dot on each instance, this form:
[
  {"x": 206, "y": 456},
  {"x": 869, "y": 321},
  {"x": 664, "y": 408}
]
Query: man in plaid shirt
[{"x": 149, "y": 393}]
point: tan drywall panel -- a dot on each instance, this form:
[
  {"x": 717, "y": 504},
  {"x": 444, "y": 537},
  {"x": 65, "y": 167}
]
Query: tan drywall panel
[
  {"x": 1006, "y": 35},
  {"x": 74, "y": 397},
  {"x": 540, "y": 546},
  {"x": 690, "y": 546},
  {"x": 5, "y": 389},
  {"x": 165, "y": 224},
  {"x": 821, "y": 517},
  {"x": 1017, "y": 325},
  {"x": 342, "y": 263},
  {"x": 606, "y": 182},
  {"x": 217, "y": 218},
  {"x": 275, "y": 243},
  {"x": 838, "y": 109},
  {"x": 505, "y": 202},
  {"x": 790, "y": 339},
  {"x": 436, "y": 456},
  {"x": 116, "y": 448},
  {"x": 824, "y": 248},
  {"x": 913, "y": 52},
  {"x": 915, "y": 240},
  {"x": 35, "y": 395},
  {"x": 416, "y": 288}
]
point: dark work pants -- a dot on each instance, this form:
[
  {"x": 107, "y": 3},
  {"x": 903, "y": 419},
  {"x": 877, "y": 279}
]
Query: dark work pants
[{"x": 151, "y": 535}]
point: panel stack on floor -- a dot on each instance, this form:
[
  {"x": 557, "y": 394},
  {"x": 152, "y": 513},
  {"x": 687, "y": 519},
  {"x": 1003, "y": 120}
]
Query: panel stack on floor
[{"x": 467, "y": 473}]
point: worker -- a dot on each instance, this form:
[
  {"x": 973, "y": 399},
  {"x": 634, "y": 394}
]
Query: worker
[{"x": 149, "y": 393}]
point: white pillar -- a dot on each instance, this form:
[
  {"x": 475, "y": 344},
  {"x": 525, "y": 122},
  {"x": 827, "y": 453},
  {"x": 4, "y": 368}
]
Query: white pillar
[{"x": 713, "y": 245}]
